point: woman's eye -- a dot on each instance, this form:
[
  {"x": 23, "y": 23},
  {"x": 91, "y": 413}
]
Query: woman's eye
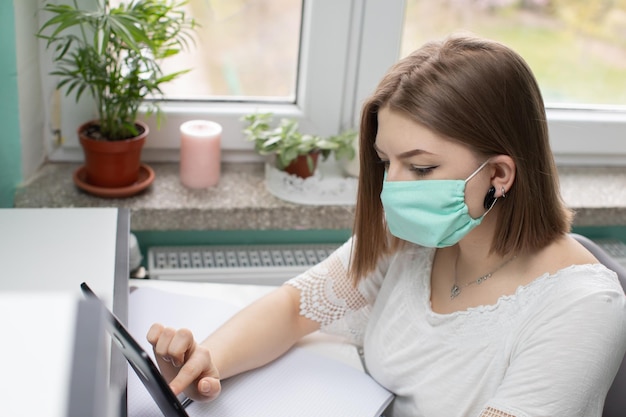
[{"x": 422, "y": 170}]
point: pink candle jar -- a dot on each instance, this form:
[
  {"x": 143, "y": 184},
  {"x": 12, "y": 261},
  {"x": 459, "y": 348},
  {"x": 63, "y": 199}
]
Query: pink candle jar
[{"x": 200, "y": 153}]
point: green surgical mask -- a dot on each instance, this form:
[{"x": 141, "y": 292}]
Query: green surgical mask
[{"x": 429, "y": 213}]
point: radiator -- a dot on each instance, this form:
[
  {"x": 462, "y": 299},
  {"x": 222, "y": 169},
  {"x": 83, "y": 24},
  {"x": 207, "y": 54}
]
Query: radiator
[
  {"x": 260, "y": 264},
  {"x": 237, "y": 264}
]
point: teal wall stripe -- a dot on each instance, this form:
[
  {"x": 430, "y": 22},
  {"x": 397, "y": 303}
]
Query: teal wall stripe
[
  {"x": 603, "y": 232},
  {"x": 246, "y": 237},
  {"x": 10, "y": 148}
]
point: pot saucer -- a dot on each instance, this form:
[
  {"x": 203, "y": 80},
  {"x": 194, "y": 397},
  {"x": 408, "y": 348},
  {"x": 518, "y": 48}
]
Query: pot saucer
[{"x": 146, "y": 176}]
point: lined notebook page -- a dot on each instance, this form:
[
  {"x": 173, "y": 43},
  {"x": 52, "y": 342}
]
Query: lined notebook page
[{"x": 300, "y": 383}]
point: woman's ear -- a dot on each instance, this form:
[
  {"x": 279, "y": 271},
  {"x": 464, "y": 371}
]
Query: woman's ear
[{"x": 503, "y": 174}]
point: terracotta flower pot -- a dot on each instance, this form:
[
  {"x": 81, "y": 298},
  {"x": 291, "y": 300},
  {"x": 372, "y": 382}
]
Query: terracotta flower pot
[
  {"x": 300, "y": 166},
  {"x": 112, "y": 164}
]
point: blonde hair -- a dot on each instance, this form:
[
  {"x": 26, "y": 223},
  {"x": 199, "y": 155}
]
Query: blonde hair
[{"x": 482, "y": 94}]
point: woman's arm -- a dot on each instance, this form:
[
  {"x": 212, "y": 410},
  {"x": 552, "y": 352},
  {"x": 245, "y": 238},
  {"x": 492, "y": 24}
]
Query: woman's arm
[
  {"x": 261, "y": 333},
  {"x": 255, "y": 336}
]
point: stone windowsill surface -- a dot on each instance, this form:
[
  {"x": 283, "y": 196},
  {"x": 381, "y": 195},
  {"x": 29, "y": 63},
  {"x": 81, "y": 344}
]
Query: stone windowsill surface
[{"x": 241, "y": 202}]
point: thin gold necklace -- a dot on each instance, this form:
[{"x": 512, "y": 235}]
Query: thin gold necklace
[{"x": 455, "y": 291}]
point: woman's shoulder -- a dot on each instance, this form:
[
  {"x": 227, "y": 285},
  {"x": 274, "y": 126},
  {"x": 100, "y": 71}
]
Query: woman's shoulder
[
  {"x": 586, "y": 278},
  {"x": 565, "y": 277},
  {"x": 588, "y": 292},
  {"x": 576, "y": 269}
]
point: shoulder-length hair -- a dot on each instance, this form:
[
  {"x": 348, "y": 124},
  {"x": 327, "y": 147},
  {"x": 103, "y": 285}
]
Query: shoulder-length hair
[{"x": 481, "y": 94}]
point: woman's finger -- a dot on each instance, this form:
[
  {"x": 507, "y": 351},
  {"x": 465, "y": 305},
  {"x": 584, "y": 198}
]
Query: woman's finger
[
  {"x": 162, "y": 346},
  {"x": 197, "y": 366},
  {"x": 154, "y": 333},
  {"x": 181, "y": 347},
  {"x": 209, "y": 387}
]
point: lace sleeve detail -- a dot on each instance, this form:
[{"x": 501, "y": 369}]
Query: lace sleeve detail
[
  {"x": 328, "y": 297},
  {"x": 492, "y": 412}
]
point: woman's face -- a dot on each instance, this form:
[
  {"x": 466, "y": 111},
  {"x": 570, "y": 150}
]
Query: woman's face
[{"x": 411, "y": 152}]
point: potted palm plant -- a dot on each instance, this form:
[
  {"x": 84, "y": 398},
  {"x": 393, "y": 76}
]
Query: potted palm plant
[
  {"x": 295, "y": 153},
  {"x": 113, "y": 53}
]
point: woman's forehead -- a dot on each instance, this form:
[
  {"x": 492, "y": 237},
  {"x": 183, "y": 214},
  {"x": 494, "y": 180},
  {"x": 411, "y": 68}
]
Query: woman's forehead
[{"x": 397, "y": 133}]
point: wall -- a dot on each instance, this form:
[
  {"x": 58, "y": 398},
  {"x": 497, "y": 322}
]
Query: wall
[
  {"x": 31, "y": 98},
  {"x": 10, "y": 149}
]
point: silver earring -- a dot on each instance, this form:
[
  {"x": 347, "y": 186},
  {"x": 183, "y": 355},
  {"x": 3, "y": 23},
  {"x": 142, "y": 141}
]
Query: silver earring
[{"x": 503, "y": 192}]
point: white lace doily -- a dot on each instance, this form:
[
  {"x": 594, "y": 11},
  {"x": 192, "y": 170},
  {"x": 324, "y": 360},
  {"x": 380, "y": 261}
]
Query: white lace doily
[{"x": 327, "y": 186}]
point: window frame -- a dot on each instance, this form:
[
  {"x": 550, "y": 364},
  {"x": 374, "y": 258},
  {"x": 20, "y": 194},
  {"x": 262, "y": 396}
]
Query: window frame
[
  {"x": 587, "y": 136},
  {"x": 346, "y": 47}
]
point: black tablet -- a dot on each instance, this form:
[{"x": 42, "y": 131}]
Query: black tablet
[{"x": 141, "y": 363}]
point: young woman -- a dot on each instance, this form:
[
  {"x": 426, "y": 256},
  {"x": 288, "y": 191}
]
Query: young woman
[{"x": 460, "y": 282}]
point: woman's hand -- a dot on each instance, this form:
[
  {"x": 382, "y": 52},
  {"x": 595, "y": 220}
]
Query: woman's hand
[{"x": 186, "y": 364}]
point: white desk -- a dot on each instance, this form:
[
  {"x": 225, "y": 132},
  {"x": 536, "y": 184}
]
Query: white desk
[{"x": 44, "y": 256}]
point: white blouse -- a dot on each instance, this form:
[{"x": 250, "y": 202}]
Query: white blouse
[{"x": 551, "y": 349}]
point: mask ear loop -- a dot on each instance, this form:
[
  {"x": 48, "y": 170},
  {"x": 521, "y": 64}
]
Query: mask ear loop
[
  {"x": 473, "y": 174},
  {"x": 490, "y": 198}
]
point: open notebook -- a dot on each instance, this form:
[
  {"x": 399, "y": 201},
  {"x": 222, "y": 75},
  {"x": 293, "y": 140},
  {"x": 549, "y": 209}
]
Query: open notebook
[{"x": 301, "y": 383}]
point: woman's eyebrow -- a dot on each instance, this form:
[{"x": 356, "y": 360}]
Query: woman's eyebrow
[
  {"x": 413, "y": 152},
  {"x": 407, "y": 154}
]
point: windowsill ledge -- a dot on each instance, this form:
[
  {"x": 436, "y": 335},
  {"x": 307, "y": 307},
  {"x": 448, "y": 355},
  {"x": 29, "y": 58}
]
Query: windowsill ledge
[{"x": 241, "y": 202}]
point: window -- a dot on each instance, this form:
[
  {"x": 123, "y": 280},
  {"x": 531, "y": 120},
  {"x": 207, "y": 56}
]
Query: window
[
  {"x": 322, "y": 101},
  {"x": 576, "y": 48},
  {"x": 245, "y": 50},
  {"x": 341, "y": 49}
]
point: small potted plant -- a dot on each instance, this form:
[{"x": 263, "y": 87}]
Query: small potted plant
[
  {"x": 113, "y": 53},
  {"x": 295, "y": 153}
]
